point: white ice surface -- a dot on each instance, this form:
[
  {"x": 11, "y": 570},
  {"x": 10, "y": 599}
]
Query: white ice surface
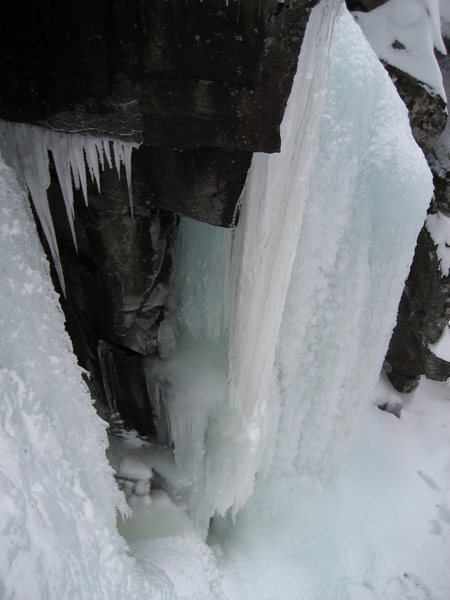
[
  {"x": 415, "y": 24},
  {"x": 439, "y": 227},
  {"x": 26, "y": 149},
  {"x": 58, "y": 497},
  {"x": 263, "y": 256}
]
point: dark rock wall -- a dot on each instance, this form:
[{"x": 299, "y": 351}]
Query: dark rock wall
[{"x": 424, "y": 309}]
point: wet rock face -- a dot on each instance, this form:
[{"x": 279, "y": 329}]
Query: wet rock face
[
  {"x": 207, "y": 184},
  {"x": 202, "y": 85},
  {"x": 212, "y": 74},
  {"x": 117, "y": 286},
  {"x": 427, "y": 111},
  {"x": 424, "y": 309},
  {"x": 364, "y": 5},
  {"x": 423, "y": 314}
]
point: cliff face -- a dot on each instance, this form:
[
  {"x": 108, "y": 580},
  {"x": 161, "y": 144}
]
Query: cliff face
[
  {"x": 424, "y": 309},
  {"x": 202, "y": 85}
]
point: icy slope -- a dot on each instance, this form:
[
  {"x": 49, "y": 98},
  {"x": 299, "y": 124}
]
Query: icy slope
[{"x": 57, "y": 493}]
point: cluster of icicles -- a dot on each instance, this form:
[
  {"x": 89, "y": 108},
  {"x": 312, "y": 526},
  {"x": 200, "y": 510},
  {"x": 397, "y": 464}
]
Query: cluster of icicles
[{"x": 26, "y": 149}]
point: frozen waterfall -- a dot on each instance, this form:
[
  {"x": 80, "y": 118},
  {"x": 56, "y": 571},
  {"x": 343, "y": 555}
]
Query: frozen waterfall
[
  {"x": 318, "y": 262},
  {"x": 269, "y": 355}
]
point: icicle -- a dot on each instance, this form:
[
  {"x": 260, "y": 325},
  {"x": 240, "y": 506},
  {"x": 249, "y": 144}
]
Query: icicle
[
  {"x": 25, "y": 148},
  {"x": 264, "y": 251},
  {"x": 99, "y": 148},
  {"x": 107, "y": 151},
  {"x": 127, "y": 150},
  {"x": 117, "y": 156},
  {"x": 78, "y": 164},
  {"x": 90, "y": 150},
  {"x": 32, "y": 158},
  {"x": 59, "y": 146}
]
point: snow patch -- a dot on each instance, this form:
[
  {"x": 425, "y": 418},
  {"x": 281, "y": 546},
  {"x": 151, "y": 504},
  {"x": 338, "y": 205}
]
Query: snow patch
[
  {"x": 438, "y": 226},
  {"x": 441, "y": 348},
  {"x": 405, "y": 34}
]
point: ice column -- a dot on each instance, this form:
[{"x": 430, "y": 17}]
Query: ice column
[
  {"x": 25, "y": 148},
  {"x": 264, "y": 251},
  {"x": 367, "y": 202}
]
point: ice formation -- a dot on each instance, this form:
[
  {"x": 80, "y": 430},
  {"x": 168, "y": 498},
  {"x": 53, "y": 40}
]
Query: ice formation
[
  {"x": 298, "y": 536},
  {"x": 26, "y": 147},
  {"x": 272, "y": 349},
  {"x": 405, "y": 33},
  {"x": 58, "y": 495},
  {"x": 324, "y": 243},
  {"x": 216, "y": 430}
]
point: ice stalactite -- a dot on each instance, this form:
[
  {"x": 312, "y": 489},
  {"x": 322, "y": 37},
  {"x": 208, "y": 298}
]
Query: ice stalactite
[{"x": 26, "y": 148}]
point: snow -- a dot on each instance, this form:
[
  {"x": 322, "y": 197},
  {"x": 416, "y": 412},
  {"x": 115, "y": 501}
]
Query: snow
[
  {"x": 442, "y": 347},
  {"x": 25, "y": 148},
  {"x": 58, "y": 495},
  {"x": 414, "y": 26},
  {"x": 380, "y": 532},
  {"x": 438, "y": 226}
]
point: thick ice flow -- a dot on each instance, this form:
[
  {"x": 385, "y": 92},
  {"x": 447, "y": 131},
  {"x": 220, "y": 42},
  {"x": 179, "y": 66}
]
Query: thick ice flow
[
  {"x": 368, "y": 195},
  {"x": 319, "y": 259},
  {"x": 26, "y": 147},
  {"x": 264, "y": 251},
  {"x": 58, "y": 496},
  {"x": 231, "y": 307}
]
